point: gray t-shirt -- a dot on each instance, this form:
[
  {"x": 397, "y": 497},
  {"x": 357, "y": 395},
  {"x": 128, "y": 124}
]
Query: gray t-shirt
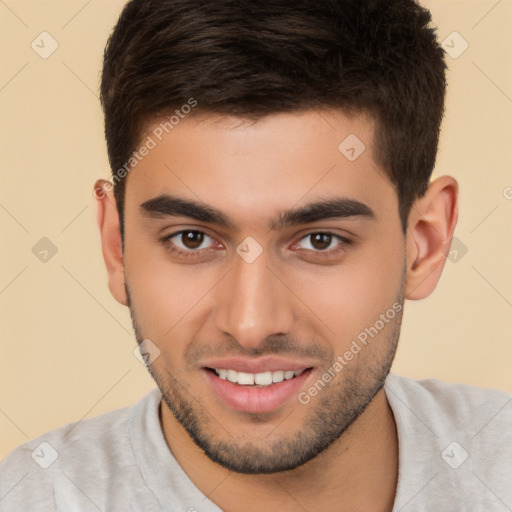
[{"x": 455, "y": 455}]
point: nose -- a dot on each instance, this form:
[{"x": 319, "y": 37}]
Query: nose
[{"x": 253, "y": 303}]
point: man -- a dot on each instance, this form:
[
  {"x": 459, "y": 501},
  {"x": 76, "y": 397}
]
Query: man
[{"x": 271, "y": 211}]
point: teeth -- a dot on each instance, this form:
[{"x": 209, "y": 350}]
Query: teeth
[
  {"x": 263, "y": 379},
  {"x": 246, "y": 379},
  {"x": 258, "y": 379}
]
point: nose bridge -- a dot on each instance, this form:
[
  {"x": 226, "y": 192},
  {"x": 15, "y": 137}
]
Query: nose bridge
[{"x": 253, "y": 303}]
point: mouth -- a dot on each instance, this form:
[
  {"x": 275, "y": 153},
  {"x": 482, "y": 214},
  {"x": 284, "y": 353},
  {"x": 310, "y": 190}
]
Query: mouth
[
  {"x": 261, "y": 380},
  {"x": 261, "y": 392}
]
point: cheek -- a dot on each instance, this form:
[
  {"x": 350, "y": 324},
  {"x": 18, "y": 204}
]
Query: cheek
[
  {"x": 166, "y": 297},
  {"x": 352, "y": 296}
]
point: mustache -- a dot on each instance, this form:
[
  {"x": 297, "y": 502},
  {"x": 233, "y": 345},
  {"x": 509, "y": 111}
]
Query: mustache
[{"x": 272, "y": 345}]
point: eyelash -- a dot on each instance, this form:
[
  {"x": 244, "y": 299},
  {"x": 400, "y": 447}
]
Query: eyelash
[{"x": 341, "y": 247}]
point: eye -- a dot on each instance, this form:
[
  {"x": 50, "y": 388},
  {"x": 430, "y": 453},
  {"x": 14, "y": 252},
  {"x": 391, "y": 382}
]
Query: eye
[
  {"x": 322, "y": 242},
  {"x": 189, "y": 241}
]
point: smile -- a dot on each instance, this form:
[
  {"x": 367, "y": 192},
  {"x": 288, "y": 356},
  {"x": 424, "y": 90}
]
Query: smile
[
  {"x": 262, "y": 379},
  {"x": 256, "y": 393}
]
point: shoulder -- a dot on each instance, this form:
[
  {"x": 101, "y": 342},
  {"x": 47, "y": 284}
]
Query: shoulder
[
  {"x": 455, "y": 445},
  {"x": 33, "y": 475},
  {"x": 442, "y": 394},
  {"x": 454, "y": 405}
]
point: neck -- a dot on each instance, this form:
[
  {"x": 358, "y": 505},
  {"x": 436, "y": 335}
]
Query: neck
[{"x": 358, "y": 471}]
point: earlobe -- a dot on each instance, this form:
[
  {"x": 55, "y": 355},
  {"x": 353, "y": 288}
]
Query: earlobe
[
  {"x": 111, "y": 242},
  {"x": 432, "y": 221}
]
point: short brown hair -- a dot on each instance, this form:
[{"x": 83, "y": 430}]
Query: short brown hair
[{"x": 256, "y": 57}]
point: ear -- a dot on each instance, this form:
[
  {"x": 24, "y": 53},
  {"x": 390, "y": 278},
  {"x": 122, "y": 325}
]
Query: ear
[
  {"x": 111, "y": 243},
  {"x": 430, "y": 230}
]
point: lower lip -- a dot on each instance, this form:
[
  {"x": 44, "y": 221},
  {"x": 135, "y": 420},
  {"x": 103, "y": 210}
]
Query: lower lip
[{"x": 254, "y": 399}]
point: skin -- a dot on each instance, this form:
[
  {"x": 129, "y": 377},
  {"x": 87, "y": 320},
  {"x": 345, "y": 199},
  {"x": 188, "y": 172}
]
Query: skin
[{"x": 340, "y": 450}]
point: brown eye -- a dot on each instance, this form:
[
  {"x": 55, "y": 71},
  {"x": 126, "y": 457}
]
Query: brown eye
[
  {"x": 192, "y": 239},
  {"x": 321, "y": 241}
]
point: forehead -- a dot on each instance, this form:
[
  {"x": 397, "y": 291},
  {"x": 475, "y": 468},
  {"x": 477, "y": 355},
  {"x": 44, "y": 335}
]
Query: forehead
[{"x": 253, "y": 169}]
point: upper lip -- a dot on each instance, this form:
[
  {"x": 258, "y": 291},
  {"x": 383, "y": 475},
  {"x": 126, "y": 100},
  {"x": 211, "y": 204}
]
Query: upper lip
[{"x": 260, "y": 365}]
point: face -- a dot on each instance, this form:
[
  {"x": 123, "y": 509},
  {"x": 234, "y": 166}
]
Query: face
[{"x": 266, "y": 263}]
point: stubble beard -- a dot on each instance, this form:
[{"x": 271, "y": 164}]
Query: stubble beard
[{"x": 336, "y": 408}]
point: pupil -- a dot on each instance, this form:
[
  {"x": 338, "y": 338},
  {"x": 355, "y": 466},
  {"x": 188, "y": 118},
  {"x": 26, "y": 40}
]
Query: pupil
[
  {"x": 192, "y": 239},
  {"x": 321, "y": 241}
]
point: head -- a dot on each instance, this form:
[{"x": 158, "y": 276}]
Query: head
[{"x": 272, "y": 207}]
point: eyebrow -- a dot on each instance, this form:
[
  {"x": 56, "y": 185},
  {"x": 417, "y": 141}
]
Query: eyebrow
[{"x": 334, "y": 208}]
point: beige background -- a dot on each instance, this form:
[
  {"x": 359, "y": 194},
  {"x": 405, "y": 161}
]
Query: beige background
[{"x": 67, "y": 346}]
